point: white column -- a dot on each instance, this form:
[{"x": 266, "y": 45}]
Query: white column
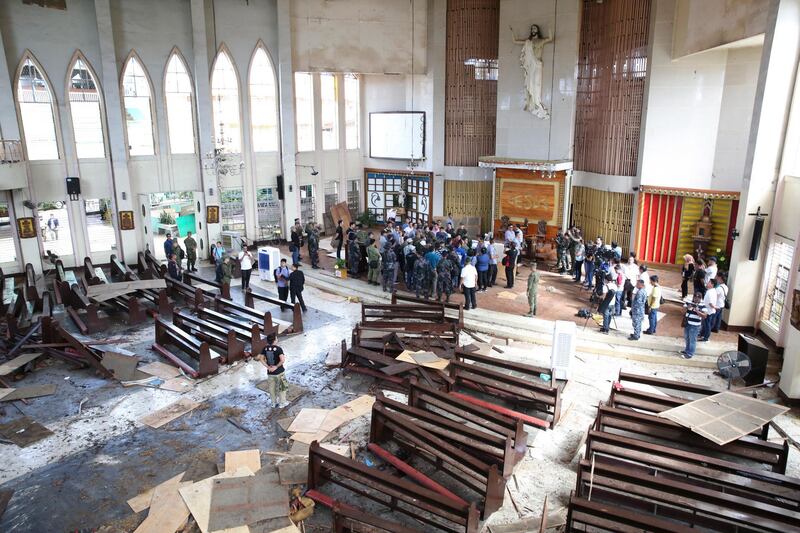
[
  {"x": 767, "y": 134},
  {"x": 286, "y": 94},
  {"x": 202, "y": 30},
  {"x": 109, "y": 73}
]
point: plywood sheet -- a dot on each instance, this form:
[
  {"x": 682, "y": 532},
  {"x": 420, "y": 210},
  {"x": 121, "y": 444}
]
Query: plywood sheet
[
  {"x": 724, "y": 417},
  {"x": 107, "y": 291},
  {"x": 161, "y": 370},
  {"x": 250, "y": 459},
  {"x": 168, "y": 512},
  {"x": 122, "y": 366},
  {"x": 18, "y": 362},
  {"x": 346, "y": 412},
  {"x": 308, "y": 420},
  {"x": 293, "y": 472},
  {"x": 140, "y": 502},
  {"x": 33, "y": 391},
  {"x": 426, "y": 359},
  {"x": 180, "y": 384},
  {"x": 197, "y": 497},
  {"x": 5, "y": 392},
  {"x": 243, "y": 500},
  {"x": 341, "y": 212},
  {"x": 24, "y": 431},
  {"x": 308, "y": 438},
  {"x": 169, "y": 413}
]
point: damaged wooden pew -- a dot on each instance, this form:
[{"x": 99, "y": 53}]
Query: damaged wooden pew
[
  {"x": 429, "y": 318},
  {"x": 220, "y": 338},
  {"x": 435, "y": 511},
  {"x": 169, "y": 334},
  {"x": 157, "y": 297},
  {"x": 517, "y": 383},
  {"x": 458, "y": 309},
  {"x": 223, "y": 288},
  {"x": 395, "y": 374},
  {"x": 260, "y": 317},
  {"x": 474, "y": 474},
  {"x": 297, "y": 316}
]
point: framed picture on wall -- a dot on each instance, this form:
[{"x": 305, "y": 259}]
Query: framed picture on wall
[
  {"x": 126, "y": 220},
  {"x": 212, "y": 214},
  {"x": 26, "y": 228}
]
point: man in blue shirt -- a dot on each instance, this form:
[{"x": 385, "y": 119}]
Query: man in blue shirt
[
  {"x": 462, "y": 254},
  {"x": 168, "y": 245},
  {"x": 282, "y": 280},
  {"x": 482, "y": 265},
  {"x": 433, "y": 257}
]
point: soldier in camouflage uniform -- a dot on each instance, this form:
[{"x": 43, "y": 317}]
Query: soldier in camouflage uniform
[
  {"x": 313, "y": 244},
  {"x": 422, "y": 276},
  {"x": 388, "y": 267},
  {"x": 353, "y": 254},
  {"x": 562, "y": 249},
  {"x": 445, "y": 278}
]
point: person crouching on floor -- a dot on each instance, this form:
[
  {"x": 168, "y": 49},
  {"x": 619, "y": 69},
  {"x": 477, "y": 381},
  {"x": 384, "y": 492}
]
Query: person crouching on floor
[{"x": 273, "y": 358}]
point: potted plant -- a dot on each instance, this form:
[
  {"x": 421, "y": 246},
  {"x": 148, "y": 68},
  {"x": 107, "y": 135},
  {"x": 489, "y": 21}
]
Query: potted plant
[{"x": 340, "y": 269}]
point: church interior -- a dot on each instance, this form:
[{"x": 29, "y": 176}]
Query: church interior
[{"x": 399, "y": 266}]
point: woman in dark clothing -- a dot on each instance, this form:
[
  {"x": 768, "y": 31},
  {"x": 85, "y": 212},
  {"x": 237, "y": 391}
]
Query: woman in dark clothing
[
  {"x": 699, "y": 279},
  {"x": 510, "y": 262},
  {"x": 687, "y": 274},
  {"x": 339, "y": 238}
]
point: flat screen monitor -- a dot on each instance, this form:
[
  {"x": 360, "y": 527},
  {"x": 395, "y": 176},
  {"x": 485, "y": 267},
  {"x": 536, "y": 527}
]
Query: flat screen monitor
[{"x": 397, "y": 135}]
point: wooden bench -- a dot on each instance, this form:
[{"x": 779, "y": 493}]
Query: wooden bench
[
  {"x": 33, "y": 288},
  {"x": 678, "y": 500},
  {"x": 429, "y": 318},
  {"x": 224, "y": 339},
  {"x": 193, "y": 296},
  {"x": 458, "y": 308},
  {"x": 608, "y": 517},
  {"x": 166, "y": 333},
  {"x": 444, "y": 404},
  {"x": 386, "y": 368},
  {"x": 347, "y": 519},
  {"x": 157, "y": 297},
  {"x": 246, "y": 330},
  {"x": 259, "y": 317},
  {"x": 663, "y": 431},
  {"x": 472, "y": 473},
  {"x": 8, "y": 293},
  {"x": 224, "y": 288},
  {"x": 428, "y": 507},
  {"x": 90, "y": 321},
  {"x": 297, "y": 314},
  {"x": 706, "y": 471},
  {"x": 515, "y": 390},
  {"x": 669, "y": 394},
  {"x": 394, "y": 340},
  {"x": 64, "y": 281},
  {"x": 487, "y": 446}
]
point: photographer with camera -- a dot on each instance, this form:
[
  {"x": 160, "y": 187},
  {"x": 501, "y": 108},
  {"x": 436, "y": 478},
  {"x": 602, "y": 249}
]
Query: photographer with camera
[{"x": 696, "y": 312}]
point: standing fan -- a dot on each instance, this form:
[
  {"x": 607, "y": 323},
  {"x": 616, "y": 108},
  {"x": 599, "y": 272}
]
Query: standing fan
[{"x": 732, "y": 365}]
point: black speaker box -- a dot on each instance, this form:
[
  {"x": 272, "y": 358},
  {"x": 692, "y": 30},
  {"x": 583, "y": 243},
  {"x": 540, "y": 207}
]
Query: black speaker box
[
  {"x": 73, "y": 186},
  {"x": 758, "y": 354},
  {"x": 280, "y": 186},
  {"x": 755, "y": 244}
]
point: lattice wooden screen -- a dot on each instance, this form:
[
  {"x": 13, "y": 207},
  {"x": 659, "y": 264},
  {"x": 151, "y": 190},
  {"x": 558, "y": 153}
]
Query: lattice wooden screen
[
  {"x": 473, "y": 198},
  {"x": 612, "y": 66},
  {"x": 607, "y": 214},
  {"x": 470, "y": 103}
]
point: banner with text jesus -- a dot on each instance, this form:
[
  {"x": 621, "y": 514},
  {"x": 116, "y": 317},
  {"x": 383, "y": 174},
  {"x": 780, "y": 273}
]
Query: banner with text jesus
[{"x": 534, "y": 200}]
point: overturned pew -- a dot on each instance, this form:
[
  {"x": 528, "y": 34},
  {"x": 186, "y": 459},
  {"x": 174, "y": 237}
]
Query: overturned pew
[
  {"x": 169, "y": 334},
  {"x": 426, "y": 506}
]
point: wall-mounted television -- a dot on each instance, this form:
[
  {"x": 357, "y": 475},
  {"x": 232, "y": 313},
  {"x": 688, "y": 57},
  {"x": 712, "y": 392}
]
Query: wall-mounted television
[{"x": 397, "y": 135}]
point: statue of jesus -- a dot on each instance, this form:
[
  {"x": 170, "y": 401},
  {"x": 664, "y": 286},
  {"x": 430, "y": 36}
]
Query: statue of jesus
[{"x": 531, "y": 61}]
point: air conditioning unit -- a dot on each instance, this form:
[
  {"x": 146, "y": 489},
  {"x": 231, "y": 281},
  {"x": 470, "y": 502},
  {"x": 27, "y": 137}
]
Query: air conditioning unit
[{"x": 564, "y": 335}]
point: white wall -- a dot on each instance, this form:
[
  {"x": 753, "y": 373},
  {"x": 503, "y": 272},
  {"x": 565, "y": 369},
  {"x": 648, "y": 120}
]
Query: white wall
[
  {"x": 736, "y": 113},
  {"x": 682, "y": 110},
  {"x": 704, "y": 24},
  {"x": 519, "y": 133},
  {"x": 368, "y": 36}
]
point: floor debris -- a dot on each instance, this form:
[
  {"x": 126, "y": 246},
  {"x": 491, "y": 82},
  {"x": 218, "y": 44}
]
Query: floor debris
[
  {"x": 24, "y": 431},
  {"x": 169, "y": 413}
]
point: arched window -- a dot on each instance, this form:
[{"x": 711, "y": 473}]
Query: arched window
[
  {"x": 84, "y": 107},
  {"x": 225, "y": 104},
  {"x": 138, "y": 110},
  {"x": 180, "y": 118},
  {"x": 263, "y": 103},
  {"x": 36, "y": 109}
]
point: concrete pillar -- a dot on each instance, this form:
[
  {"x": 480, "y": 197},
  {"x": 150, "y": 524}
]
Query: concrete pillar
[
  {"x": 767, "y": 134},
  {"x": 291, "y": 206},
  {"x": 204, "y": 50},
  {"x": 109, "y": 73}
]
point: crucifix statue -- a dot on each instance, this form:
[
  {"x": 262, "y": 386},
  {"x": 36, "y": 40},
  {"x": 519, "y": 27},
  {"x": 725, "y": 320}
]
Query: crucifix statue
[{"x": 531, "y": 62}]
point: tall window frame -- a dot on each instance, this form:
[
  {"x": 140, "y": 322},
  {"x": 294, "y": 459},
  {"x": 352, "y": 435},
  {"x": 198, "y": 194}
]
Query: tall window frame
[
  {"x": 136, "y": 86},
  {"x": 179, "y": 103},
  {"x": 352, "y": 111},
  {"x": 36, "y": 106},
  {"x": 304, "y": 110},
  {"x": 87, "y": 110},
  {"x": 262, "y": 87},
  {"x": 329, "y": 110},
  {"x": 225, "y": 102}
]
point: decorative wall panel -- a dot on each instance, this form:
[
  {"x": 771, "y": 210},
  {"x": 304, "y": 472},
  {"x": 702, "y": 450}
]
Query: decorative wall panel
[
  {"x": 469, "y": 198},
  {"x": 612, "y": 67},
  {"x": 411, "y": 194},
  {"x": 603, "y": 213},
  {"x": 470, "y": 80},
  {"x": 535, "y": 195}
]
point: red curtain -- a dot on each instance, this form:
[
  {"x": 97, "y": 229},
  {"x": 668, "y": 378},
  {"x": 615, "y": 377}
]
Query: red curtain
[{"x": 659, "y": 227}]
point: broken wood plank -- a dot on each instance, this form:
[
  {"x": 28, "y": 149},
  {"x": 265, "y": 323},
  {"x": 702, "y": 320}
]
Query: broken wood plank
[
  {"x": 17, "y": 363},
  {"x": 168, "y": 512},
  {"x": 140, "y": 502},
  {"x": 198, "y": 496},
  {"x": 308, "y": 420},
  {"x": 169, "y": 413},
  {"x": 33, "y": 391},
  {"x": 108, "y": 291},
  {"x": 250, "y": 459}
]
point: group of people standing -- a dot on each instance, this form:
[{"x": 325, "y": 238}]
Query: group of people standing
[{"x": 703, "y": 314}]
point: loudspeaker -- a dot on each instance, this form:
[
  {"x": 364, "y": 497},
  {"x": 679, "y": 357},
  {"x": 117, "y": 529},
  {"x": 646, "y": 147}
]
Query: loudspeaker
[
  {"x": 280, "y": 186},
  {"x": 758, "y": 354},
  {"x": 73, "y": 187},
  {"x": 755, "y": 244}
]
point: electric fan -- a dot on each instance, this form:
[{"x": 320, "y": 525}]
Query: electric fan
[{"x": 732, "y": 365}]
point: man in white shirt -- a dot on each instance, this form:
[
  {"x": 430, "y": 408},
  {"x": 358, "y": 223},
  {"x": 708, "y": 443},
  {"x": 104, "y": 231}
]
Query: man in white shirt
[
  {"x": 246, "y": 264},
  {"x": 509, "y": 235},
  {"x": 469, "y": 279},
  {"x": 722, "y": 296},
  {"x": 710, "y": 303},
  {"x": 711, "y": 269},
  {"x": 391, "y": 214}
]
